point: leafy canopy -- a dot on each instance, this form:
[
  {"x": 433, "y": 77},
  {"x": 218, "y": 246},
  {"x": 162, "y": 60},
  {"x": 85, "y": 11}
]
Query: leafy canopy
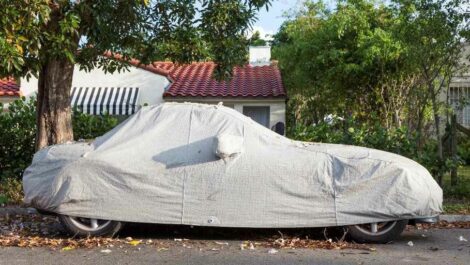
[
  {"x": 33, "y": 31},
  {"x": 366, "y": 56}
]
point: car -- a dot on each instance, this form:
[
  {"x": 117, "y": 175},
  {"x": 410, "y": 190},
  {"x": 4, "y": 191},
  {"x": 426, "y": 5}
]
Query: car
[{"x": 209, "y": 165}]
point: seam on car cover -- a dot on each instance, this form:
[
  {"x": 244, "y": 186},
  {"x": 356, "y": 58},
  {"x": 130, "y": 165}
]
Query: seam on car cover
[
  {"x": 185, "y": 174},
  {"x": 331, "y": 173}
]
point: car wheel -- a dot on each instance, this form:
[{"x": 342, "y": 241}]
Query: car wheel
[
  {"x": 383, "y": 232},
  {"x": 78, "y": 226}
]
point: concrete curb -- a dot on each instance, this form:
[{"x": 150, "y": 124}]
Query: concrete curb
[
  {"x": 455, "y": 218},
  {"x": 17, "y": 211},
  {"x": 26, "y": 211}
]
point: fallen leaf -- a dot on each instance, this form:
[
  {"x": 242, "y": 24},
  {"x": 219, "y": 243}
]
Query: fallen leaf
[
  {"x": 67, "y": 248},
  {"x": 272, "y": 251},
  {"x": 134, "y": 242}
]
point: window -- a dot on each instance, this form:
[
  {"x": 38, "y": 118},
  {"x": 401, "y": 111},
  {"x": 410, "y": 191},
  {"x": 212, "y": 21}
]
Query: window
[
  {"x": 459, "y": 99},
  {"x": 258, "y": 114}
]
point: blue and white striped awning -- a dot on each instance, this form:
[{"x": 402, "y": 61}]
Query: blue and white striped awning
[{"x": 101, "y": 100}]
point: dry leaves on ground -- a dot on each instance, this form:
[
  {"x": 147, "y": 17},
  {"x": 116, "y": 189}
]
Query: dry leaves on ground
[
  {"x": 39, "y": 231},
  {"x": 445, "y": 225},
  {"x": 296, "y": 242}
]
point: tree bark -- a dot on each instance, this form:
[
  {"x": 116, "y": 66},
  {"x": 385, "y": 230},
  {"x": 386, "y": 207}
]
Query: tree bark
[
  {"x": 437, "y": 123},
  {"x": 54, "y": 118},
  {"x": 453, "y": 150}
]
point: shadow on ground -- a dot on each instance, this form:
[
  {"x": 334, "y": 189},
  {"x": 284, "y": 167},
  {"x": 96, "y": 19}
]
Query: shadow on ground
[{"x": 158, "y": 231}]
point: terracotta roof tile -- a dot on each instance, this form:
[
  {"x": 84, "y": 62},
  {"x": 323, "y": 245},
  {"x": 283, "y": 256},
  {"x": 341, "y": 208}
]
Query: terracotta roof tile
[
  {"x": 9, "y": 88},
  {"x": 195, "y": 80}
]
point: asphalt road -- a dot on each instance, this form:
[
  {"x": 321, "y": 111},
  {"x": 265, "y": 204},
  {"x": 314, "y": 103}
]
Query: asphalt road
[{"x": 436, "y": 246}]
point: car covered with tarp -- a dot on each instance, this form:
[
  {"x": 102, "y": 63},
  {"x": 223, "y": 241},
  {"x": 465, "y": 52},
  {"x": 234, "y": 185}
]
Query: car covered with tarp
[{"x": 209, "y": 165}]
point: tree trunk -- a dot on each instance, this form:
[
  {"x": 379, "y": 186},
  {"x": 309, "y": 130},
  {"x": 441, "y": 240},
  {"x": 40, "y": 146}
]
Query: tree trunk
[
  {"x": 54, "y": 119},
  {"x": 453, "y": 150},
  {"x": 435, "y": 109},
  {"x": 419, "y": 127}
]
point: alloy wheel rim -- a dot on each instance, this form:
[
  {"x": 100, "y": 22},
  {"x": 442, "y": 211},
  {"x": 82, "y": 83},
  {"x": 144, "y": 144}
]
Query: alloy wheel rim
[
  {"x": 376, "y": 229},
  {"x": 89, "y": 224}
]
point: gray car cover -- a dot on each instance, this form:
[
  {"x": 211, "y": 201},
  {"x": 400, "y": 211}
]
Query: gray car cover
[{"x": 162, "y": 165}]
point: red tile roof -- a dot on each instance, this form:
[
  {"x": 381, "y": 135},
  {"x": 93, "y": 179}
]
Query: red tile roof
[
  {"x": 195, "y": 80},
  {"x": 9, "y": 88}
]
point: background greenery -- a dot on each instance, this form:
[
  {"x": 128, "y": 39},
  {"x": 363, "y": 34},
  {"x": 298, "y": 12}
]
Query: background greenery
[
  {"x": 17, "y": 143},
  {"x": 18, "y": 134},
  {"x": 383, "y": 67}
]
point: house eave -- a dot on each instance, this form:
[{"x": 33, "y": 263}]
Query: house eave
[{"x": 225, "y": 99}]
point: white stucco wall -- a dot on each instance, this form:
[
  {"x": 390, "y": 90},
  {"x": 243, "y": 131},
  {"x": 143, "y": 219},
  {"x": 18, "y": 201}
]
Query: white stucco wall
[
  {"x": 277, "y": 110},
  {"x": 260, "y": 55},
  {"x": 277, "y": 107},
  {"x": 150, "y": 84}
]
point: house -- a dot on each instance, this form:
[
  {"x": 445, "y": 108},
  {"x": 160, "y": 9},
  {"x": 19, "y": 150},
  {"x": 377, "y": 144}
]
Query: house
[
  {"x": 459, "y": 90},
  {"x": 255, "y": 89}
]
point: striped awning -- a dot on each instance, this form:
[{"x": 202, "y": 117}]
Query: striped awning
[{"x": 101, "y": 100}]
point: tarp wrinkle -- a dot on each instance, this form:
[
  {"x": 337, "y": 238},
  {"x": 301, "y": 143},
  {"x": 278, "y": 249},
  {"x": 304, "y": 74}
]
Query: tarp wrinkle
[{"x": 161, "y": 166}]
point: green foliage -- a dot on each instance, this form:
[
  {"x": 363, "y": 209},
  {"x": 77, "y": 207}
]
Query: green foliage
[
  {"x": 461, "y": 191},
  {"x": 89, "y": 127},
  {"x": 373, "y": 135},
  {"x": 366, "y": 56},
  {"x": 17, "y": 137},
  {"x": 11, "y": 191},
  {"x": 337, "y": 59},
  {"x": 381, "y": 65},
  {"x": 354, "y": 132},
  {"x": 457, "y": 208},
  {"x": 256, "y": 40},
  {"x": 33, "y": 32},
  {"x": 18, "y": 134},
  {"x": 464, "y": 149}
]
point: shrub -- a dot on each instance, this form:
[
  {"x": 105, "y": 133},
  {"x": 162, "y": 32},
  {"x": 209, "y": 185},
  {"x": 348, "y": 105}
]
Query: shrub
[
  {"x": 356, "y": 133},
  {"x": 18, "y": 134},
  {"x": 17, "y": 137},
  {"x": 89, "y": 127},
  {"x": 11, "y": 191},
  {"x": 458, "y": 192},
  {"x": 398, "y": 140},
  {"x": 464, "y": 149}
]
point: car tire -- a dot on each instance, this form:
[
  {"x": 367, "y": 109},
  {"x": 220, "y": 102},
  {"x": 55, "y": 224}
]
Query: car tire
[
  {"x": 381, "y": 233},
  {"x": 84, "y": 227}
]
